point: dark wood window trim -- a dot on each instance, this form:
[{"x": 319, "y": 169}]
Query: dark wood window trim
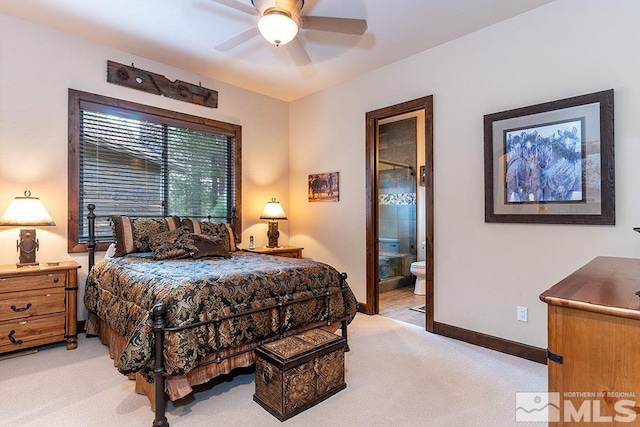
[{"x": 78, "y": 100}]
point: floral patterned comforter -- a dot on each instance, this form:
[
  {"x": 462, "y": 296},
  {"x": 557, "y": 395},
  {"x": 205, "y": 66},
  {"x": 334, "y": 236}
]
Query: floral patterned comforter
[{"x": 122, "y": 291}]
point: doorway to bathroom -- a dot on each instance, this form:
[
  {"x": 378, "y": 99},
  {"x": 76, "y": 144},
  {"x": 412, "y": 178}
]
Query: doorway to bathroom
[{"x": 400, "y": 212}]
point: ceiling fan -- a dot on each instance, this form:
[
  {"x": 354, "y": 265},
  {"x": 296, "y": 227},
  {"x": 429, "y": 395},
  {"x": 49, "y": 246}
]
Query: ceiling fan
[{"x": 280, "y": 21}]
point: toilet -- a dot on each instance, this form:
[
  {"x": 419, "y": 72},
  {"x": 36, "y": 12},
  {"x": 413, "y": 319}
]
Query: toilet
[{"x": 419, "y": 269}]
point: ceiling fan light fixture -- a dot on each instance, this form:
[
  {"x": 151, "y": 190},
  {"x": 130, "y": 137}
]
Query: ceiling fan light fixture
[{"x": 277, "y": 27}]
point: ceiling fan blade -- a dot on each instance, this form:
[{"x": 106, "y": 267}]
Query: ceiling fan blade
[
  {"x": 288, "y": 5},
  {"x": 298, "y": 52},
  {"x": 335, "y": 25},
  {"x": 238, "y": 6},
  {"x": 237, "y": 40}
]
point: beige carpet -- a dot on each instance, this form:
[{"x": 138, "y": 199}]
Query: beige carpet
[{"x": 396, "y": 373}]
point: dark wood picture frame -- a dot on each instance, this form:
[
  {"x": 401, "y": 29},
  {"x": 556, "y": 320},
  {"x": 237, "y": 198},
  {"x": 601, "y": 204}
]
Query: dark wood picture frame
[{"x": 551, "y": 163}]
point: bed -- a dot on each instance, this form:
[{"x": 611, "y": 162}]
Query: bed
[{"x": 173, "y": 320}]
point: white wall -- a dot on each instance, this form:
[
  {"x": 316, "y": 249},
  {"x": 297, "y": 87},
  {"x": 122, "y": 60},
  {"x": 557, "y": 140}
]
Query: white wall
[
  {"x": 39, "y": 65},
  {"x": 483, "y": 271}
]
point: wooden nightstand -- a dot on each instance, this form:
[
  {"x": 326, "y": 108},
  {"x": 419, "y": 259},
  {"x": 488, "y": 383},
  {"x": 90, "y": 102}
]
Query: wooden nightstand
[
  {"x": 38, "y": 305},
  {"x": 288, "y": 251}
]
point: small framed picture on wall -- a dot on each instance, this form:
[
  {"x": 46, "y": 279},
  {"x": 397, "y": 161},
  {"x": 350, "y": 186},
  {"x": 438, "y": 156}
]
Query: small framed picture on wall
[{"x": 324, "y": 187}]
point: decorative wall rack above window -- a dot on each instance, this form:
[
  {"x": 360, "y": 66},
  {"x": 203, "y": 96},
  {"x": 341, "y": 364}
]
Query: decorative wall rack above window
[{"x": 135, "y": 78}]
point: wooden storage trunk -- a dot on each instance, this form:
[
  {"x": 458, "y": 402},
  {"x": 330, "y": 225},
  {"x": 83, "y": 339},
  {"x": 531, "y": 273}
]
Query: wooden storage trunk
[{"x": 297, "y": 372}]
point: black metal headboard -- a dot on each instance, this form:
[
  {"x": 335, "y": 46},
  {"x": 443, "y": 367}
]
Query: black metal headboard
[{"x": 92, "y": 243}]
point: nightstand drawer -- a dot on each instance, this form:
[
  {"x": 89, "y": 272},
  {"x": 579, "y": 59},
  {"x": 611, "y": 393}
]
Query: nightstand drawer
[
  {"x": 285, "y": 251},
  {"x": 31, "y": 303},
  {"x": 27, "y": 282},
  {"x": 293, "y": 254},
  {"x": 15, "y": 335}
]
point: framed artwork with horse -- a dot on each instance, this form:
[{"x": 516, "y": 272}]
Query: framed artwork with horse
[
  {"x": 324, "y": 187},
  {"x": 551, "y": 163}
]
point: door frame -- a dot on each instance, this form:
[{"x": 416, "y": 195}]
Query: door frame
[{"x": 372, "y": 305}]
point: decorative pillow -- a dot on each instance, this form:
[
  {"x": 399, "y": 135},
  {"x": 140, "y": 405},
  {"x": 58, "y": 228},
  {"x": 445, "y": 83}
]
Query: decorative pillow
[
  {"x": 209, "y": 246},
  {"x": 213, "y": 229},
  {"x": 131, "y": 234},
  {"x": 173, "y": 222},
  {"x": 232, "y": 238},
  {"x": 172, "y": 244}
]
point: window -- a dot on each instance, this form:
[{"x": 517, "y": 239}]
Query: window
[{"x": 132, "y": 159}]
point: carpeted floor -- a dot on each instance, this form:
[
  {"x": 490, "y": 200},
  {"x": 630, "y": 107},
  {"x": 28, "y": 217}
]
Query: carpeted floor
[{"x": 396, "y": 374}]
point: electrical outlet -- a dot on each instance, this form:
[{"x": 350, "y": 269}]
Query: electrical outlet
[{"x": 521, "y": 314}]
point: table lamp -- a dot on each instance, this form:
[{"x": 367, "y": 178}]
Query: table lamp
[
  {"x": 273, "y": 211},
  {"x": 26, "y": 211}
]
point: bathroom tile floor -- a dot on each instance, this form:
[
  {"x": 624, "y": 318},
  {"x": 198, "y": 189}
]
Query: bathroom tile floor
[{"x": 397, "y": 303}]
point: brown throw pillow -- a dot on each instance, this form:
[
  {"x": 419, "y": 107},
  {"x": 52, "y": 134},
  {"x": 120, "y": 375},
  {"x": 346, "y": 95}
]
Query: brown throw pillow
[
  {"x": 172, "y": 244},
  {"x": 131, "y": 234},
  {"x": 209, "y": 246},
  {"x": 213, "y": 229}
]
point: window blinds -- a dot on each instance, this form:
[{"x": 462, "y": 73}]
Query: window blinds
[{"x": 144, "y": 165}]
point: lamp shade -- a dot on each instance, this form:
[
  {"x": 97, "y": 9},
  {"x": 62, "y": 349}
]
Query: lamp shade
[
  {"x": 26, "y": 210},
  {"x": 273, "y": 211},
  {"x": 277, "y": 27}
]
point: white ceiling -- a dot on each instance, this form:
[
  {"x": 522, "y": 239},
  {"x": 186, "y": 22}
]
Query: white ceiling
[{"x": 183, "y": 33}]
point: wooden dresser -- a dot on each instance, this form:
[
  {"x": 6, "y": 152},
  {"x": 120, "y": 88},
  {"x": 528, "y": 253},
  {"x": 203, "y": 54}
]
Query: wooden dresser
[
  {"x": 287, "y": 251},
  {"x": 594, "y": 343},
  {"x": 38, "y": 305}
]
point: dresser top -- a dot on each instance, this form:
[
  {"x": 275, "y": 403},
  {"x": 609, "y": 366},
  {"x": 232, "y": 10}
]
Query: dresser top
[
  {"x": 42, "y": 267},
  {"x": 604, "y": 285}
]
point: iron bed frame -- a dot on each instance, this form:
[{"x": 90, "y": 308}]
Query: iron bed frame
[{"x": 159, "y": 313}]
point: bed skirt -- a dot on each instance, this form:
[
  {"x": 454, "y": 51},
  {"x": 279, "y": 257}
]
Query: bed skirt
[{"x": 176, "y": 387}]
